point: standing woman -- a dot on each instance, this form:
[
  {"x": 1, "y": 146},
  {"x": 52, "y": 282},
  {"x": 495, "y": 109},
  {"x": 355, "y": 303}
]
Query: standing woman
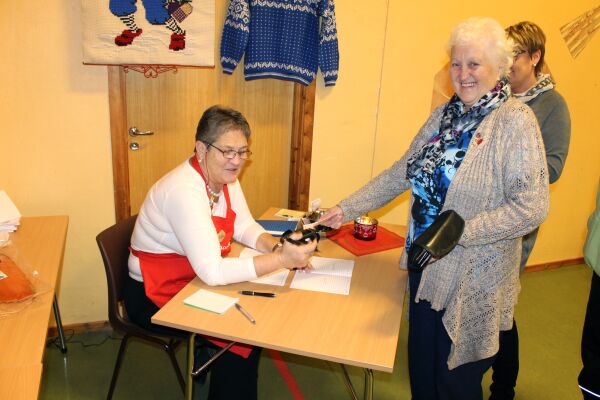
[
  {"x": 536, "y": 90},
  {"x": 184, "y": 229},
  {"x": 481, "y": 155}
]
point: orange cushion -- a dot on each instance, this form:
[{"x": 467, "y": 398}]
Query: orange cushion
[{"x": 15, "y": 286}]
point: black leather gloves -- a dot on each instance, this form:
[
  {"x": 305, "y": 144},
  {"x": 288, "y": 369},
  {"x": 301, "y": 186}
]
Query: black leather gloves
[{"x": 436, "y": 241}]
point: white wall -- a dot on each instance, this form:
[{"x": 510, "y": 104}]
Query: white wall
[{"x": 55, "y": 140}]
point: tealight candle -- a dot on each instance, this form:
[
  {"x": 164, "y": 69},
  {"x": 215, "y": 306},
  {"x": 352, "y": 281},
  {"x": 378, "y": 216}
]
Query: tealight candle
[{"x": 365, "y": 228}]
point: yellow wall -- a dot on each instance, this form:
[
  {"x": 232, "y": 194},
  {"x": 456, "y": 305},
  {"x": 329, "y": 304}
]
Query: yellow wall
[
  {"x": 55, "y": 140},
  {"x": 55, "y": 137},
  {"x": 414, "y": 50}
]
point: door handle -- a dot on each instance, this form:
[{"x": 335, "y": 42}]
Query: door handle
[{"x": 133, "y": 131}]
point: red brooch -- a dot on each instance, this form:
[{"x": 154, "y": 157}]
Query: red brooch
[{"x": 478, "y": 138}]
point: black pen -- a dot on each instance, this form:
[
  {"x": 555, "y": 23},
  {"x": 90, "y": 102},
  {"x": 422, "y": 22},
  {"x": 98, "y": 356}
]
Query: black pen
[{"x": 252, "y": 293}]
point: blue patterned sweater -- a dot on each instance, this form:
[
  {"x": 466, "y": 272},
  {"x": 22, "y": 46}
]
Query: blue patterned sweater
[{"x": 281, "y": 39}]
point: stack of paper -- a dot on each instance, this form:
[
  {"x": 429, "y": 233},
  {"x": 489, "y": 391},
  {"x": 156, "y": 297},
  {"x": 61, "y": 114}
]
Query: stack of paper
[
  {"x": 210, "y": 301},
  {"x": 10, "y": 217},
  {"x": 291, "y": 215}
]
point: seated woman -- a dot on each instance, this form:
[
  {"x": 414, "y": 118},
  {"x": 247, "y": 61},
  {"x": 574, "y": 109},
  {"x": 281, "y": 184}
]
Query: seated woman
[
  {"x": 184, "y": 229},
  {"x": 480, "y": 154}
]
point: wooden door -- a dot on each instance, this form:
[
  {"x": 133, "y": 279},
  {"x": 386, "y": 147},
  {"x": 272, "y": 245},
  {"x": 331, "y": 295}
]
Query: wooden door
[{"x": 170, "y": 105}]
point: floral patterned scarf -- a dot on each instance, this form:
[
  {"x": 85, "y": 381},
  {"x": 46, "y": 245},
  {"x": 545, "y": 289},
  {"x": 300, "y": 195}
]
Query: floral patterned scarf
[
  {"x": 455, "y": 120},
  {"x": 543, "y": 84}
]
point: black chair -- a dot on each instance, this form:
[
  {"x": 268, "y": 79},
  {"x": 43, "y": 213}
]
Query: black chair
[{"x": 114, "y": 248}]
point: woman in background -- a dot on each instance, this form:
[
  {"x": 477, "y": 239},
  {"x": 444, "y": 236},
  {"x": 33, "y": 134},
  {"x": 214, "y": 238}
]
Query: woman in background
[{"x": 538, "y": 91}]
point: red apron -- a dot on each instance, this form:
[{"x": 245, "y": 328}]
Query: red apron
[{"x": 166, "y": 274}]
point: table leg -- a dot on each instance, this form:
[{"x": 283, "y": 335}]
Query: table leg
[
  {"x": 349, "y": 382},
  {"x": 59, "y": 327},
  {"x": 189, "y": 382},
  {"x": 211, "y": 360},
  {"x": 191, "y": 374},
  {"x": 368, "y": 384}
]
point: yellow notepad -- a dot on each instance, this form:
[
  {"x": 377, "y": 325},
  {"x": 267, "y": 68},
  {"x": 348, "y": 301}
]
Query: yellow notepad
[{"x": 210, "y": 301}]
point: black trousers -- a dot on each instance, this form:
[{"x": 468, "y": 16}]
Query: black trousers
[
  {"x": 589, "y": 378},
  {"x": 506, "y": 366},
  {"x": 428, "y": 351},
  {"x": 231, "y": 376}
]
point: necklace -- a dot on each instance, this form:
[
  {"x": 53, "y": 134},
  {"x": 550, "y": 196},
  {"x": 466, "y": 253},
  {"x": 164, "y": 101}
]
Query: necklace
[{"x": 213, "y": 197}]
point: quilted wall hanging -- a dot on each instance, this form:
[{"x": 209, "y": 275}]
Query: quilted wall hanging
[{"x": 168, "y": 32}]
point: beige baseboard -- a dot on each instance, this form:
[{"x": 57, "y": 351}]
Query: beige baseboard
[
  {"x": 80, "y": 328},
  {"x": 554, "y": 265}
]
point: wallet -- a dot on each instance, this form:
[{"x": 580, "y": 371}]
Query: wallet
[{"x": 436, "y": 241}]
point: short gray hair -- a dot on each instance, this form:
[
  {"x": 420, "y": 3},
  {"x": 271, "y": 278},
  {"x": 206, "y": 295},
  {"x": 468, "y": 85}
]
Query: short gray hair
[
  {"x": 218, "y": 120},
  {"x": 488, "y": 31}
]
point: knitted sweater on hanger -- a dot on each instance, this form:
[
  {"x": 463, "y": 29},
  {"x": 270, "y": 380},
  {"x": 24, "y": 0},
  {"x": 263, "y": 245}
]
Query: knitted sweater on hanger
[{"x": 281, "y": 39}]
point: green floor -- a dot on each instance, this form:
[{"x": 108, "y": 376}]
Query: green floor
[{"x": 550, "y": 316}]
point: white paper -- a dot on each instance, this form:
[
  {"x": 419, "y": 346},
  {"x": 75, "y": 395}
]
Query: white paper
[
  {"x": 9, "y": 214},
  {"x": 330, "y": 275},
  {"x": 332, "y": 266},
  {"x": 4, "y": 238},
  {"x": 321, "y": 283},
  {"x": 315, "y": 204},
  {"x": 291, "y": 215},
  {"x": 8, "y": 227},
  {"x": 275, "y": 278},
  {"x": 210, "y": 301}
]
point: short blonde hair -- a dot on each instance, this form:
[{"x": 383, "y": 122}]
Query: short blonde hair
[
  {"x": 531, "y": 38},
  {"x": 489, "y": 32}
]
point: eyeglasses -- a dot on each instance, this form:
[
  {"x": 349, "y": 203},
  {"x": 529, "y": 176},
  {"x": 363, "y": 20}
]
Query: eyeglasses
[
  {"x": 230, "y": 154},
  {"x": 517, "y": 53}
]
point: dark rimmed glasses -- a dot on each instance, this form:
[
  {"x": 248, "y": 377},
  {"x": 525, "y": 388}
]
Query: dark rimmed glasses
[
  {"x": 230, "y": 154},
  {"x": 517, "y": 53}
]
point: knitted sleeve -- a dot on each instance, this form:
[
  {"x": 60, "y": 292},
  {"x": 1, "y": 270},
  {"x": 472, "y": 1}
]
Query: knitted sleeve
[
  {"x": 524, "y": 182},
  {"x": 392, "y": 182},
  {"x": 235, "y": 34},
  {"x": 328, "y": 44}
]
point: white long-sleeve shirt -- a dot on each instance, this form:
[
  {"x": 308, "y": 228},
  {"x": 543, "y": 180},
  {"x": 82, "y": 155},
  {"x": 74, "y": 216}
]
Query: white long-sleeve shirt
[{"x": 176, "y": 218}]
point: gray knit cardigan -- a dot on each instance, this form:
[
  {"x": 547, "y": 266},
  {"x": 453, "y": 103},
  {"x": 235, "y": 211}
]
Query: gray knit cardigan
[{"x": 501, "y": 190}]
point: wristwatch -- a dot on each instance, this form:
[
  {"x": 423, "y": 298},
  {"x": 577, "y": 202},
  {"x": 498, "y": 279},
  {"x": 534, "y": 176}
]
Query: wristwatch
[{"x": 278, "y": 245}]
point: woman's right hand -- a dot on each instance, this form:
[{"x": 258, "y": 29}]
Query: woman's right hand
[
  {"x": 333, "y": 217},
  {"x": 297, "y": 256}
]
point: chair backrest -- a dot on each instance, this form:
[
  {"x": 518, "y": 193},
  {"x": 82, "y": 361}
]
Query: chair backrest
[{"x": 114, "y": 248}]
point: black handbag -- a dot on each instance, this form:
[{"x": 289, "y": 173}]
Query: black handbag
[{"x": 436, "y": 241}]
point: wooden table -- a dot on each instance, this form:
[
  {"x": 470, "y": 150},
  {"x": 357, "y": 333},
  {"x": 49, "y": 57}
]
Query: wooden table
[
  {"x": 20, "y": 382},
  {"x": 360, "y": 329},
  {"x": 40, "y": 244}
]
